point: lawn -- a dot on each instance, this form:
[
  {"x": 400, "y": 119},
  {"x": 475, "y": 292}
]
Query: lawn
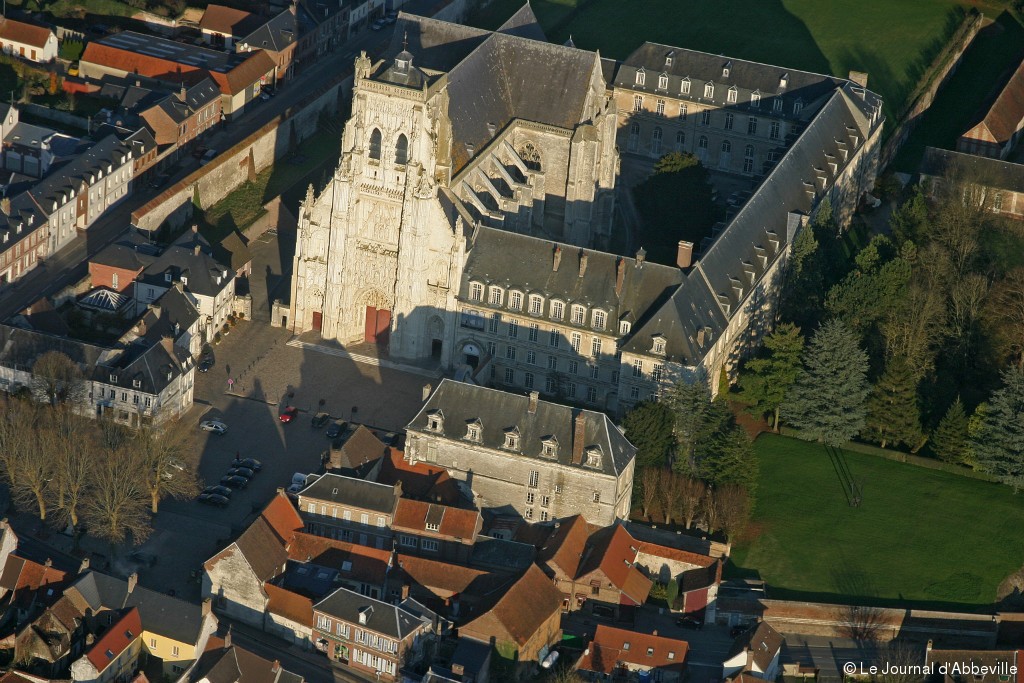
[
  {"x": 921, "y": 536},
  {"x": 893, "y": 41}
]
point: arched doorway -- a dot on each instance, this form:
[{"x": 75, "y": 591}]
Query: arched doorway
[
  {"x": 435, "y": 334},
  {"x": 471, "y": 354},
  {"x": 377, "y": 317}
]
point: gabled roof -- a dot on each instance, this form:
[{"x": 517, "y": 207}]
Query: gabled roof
[
  {"x": 275, "y": 35},
  {"x": 24, "y": 578},
  {"x": 118, "y": 638},
  {"x": 438, "y": 519},
  {"x": 289, "y": 605},
  {"x": 26, "y": 34},
  {"x": 1004, "y": 118},
  {"x": 1001, "y": 175},
  {"x": 228, "y": 20},
  {"x": 351, "y": 561},
  {"x": 612, "y": 646},
  {"x": 420, "y": 481},
  {"x": 523, "y": 609},
  {"x": 442, "y": 577},
  {"x": 565, "y": 546},
  {"x": 498, "y": 411},
  {"x": 238, "y": 665},
  {"x": 761, "y": 641},
  {"x": 282, "y": 517},
  {"x": 360, "y": 447},
  {"x": 613, "y": 551},
  {"x": 190, "y": 258},
  {"x": 524, "y": 23},
  {"x": 358, "y": 493},
  {"x": 382, "y": 617},
  {"x": 264, "y": 543}
]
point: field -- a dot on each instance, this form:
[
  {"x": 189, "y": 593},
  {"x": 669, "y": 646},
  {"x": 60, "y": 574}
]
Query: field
[
  {"x": 920, "y": 537},
  {"x": 893, "y": 41}
]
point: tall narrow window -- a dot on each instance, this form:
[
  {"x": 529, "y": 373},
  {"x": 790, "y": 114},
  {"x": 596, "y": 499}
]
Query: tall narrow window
[
  {"x": 703, "y": 142},
  {"x": 797, "y": 106},
  {"x": 755, "y": 99},
  {"x": 656, "y": 142},
  {"x": 375, "y": 138},
  {"x": 728, "y": 120},
  {"x": 726, "y": 146},
  {"x": 732, "y": 94},
  {"x": 638, "y": 103},
  {"x": 659, "y": 107},
  {"x": 709, "y": 90},
  {"x": 640, "y": 77},
  {"x": 705, "y": 117},
  {"x": 684, "y": 87},
  {"x": 680, "y": 141},
  {"x": 634, "y": 136},
  {"x": 752, "y": 125},
  {"x": 682, "y": 112},
  {"x": 773, "y": 133},
  {"x": 402, "y": 150},
  {"x": 663, "y": 82},
  {"x": 748, "y": 159}
]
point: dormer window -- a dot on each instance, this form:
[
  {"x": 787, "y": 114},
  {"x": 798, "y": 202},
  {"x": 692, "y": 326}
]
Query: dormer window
[
  {"x": 515, "y": 301},
  {"x": 684, "y": 87},
  {"x": 624, "y": 327},
  {"x": 549, "y": 447},
  {"x": 476, "y": 291},
  {"x": 663, "y": 82},
  {"x": 474, "y": 431},
  {"x": 167, "y": 277},
  {"x": 494, "y": 296},
  {"x": 641, "y": 77},
  {"x": 709, "y": 90},
  {"x": 733, "y": 94},
  {"x": 755, "y": 99},
  {"x": 512, "y": 439},
  {"x": 536, "y": 305},
  {"x": 435, "y": 421},
  {"x": 137, "y": 383},
  {"x": 659, "y": 345},
  {"x": 726, "y": 69},
  {"x": 113, "y": 379},
  {"x": 557, "y": 310},
  {"x": 784, "y": 81},
  {"x": 599, "y": 320},
  {"x": 594, "y": 456},
  {"x": 578, "y": 315},
  {"x": 184, "y": 280}
]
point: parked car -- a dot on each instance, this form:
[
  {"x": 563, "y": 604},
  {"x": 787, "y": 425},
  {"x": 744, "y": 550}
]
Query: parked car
[
  {"x": 219, "y": 490},
  {"x": 288, "y": 414},
  {"x": 214, "y": 499},
  {"x": 234, "y": 482},
  {"x": 250, "y": 463},
  {"x": 207, "y": 157},
  {"x": 215, "y": 426},
  {"x": 690, "y": 622},
  {"x": 240, "y": 472},
  {"x": 391, "y": 18},
  {"x": 377, "y": 25},
  {"x": 205, "y": 363},
  {"x": 320, "y": 419},
  {"x": 335, "y": 430}
]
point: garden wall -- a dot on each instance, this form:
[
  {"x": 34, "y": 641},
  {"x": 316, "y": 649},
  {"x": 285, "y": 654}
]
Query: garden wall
[
  {"x": 55, "y": 115},
  {"x": 944, "y": 65}
]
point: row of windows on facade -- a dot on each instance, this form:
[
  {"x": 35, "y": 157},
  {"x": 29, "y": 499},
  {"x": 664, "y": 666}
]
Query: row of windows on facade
[
  {"x": 573, "y": 366},
  {"x": 346, "y": 515},
  {"x": 475, "y": 320},
  {"x": 572, "y": 389},
  {"x": 124, "y": 395},
  {"x": 578, "y": 312},
  {"x": 657, "y": 148},
  {"x": 401, "y": 147},
  {"x": 343, "y": 629},
  {"x": 732, "y": 95},
  {"x": 728, "y": 118}
]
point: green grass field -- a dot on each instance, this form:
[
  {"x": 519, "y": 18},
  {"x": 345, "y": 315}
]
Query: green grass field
[
  {"x": 893, "y": 41},
  {"x": 921, "y": 536}
]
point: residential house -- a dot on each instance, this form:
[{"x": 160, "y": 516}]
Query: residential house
[
  {"x": 618, "y": 654},
  {"x": 697, "y": 576},
  {"x": 27, "y": 588},
  {"x": 367, "y": 635},
  {"x": 24, "y": 234},
  {"x": 28, "y": 41},
  {"x": 31, "y": 150},
  {"x": 22, "y": 677},
  {"x": 543, "y": 460},
  {"x": 143, "y": 145},
  {"x": 332, "y": 25},
  {"x": 289, "y": 616},
  {"x": 226, "y": 662},
  {"x": 349, "y": 509},
  {"x": 595, "y": 571},
  {"x": 286, "y": 38},
  {"x": 755, "y": 652},
  {"x": 317, "y": 565},
  {"x": 234, "y": 251},
  {"x": 419, "y": 480},
  {"x": 184, "y": 116},
  {"x": 996, "y": 185},
  {"x": 435, "y": 530},
  {"x": 117, "y": 266},
  {"x": 999, "y": 131},
  {"x": 353, "y": 449},
  {"x": 455, "y": 592},
  {"x": 965, "y": 666},
  {"x": 222, "y": 26},
  {"x": 114, "y": 656},
  {"x": 470, "y": 663},
  {"x": 524, "y": 623}
]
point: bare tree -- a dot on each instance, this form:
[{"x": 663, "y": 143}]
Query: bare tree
[
  {"x": 15, "y": 436},
  {"x": 709, "y": 508},
  {"x": 116, "y": 506},
  {"x": 733, "y": 505},
  {"x": 168, "y": 455},
  {"x": 860, "y": 624},
  {"x": 57, "y": 378},
  {"x": 71, "y": 440},
  {"x": 915, "y": 327},
  {"x": 670, "y": 493},
  {"x": 565, "y": 674},
  {"x": 650, "y": 481},
  {"x": 966, "y": 300},
  {"x": 1006, "y": 307},
  {"x": 30, "y": 468},
  {"x": 691, "y": 496},
  {"x": 906, "y": 663}
]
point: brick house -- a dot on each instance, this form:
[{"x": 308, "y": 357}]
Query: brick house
[
  {"x": 28, "y": 41},
  {"x": 1000, "y": 184},
  {"x": 27, "y": 588},
  {"x": 114, "y": 656},
  {"x": 368, "y": 635},
  {"x": 453, "y": 591},
  {"x": 435, "y": 530},
  {"x": 698, "y": 576},
  {"x": 350, "y": 509},
  {"x": 419, "y": 480},
  {"x": 618, "y": 654},
  {"x": 524, "y": 624},
  {"x": 999, "y": 131},
  {"x": 24, "y": 233},
  {"x": 184, "y": 116}
]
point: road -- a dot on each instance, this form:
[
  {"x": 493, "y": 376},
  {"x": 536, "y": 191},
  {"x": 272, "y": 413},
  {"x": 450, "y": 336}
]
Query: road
[{"x": 829, "y": 655}]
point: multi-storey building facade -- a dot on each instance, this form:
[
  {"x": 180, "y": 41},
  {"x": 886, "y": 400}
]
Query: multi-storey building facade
[
  {"x": 544, "y": 460},
  {"x": 348, "y": 509}
]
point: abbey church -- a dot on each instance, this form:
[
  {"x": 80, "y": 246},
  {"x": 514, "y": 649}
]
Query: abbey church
[{"x": 470, "y": 217}]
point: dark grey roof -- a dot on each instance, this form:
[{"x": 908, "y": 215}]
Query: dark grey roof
[
  {"x": 384, "y": 618},
  {"x": 498, "y": 411},
  {"x": 434, "y": 44},
  {"x": 170, "y": 315},
  {"x": 502, "y": 555},
  {"x": 169, "y": 616},
  {"x": 366, "y": 495},
  {"x": 726, "y": 274},
  {"x": 274, "y": 35},
  {"x": 524, "y": 24},
  {"x": 190, "y": 258},
  {"x": 27, "y": 135},
  {"x": 144, "y": 366},
  {"x": 20, "y": 348},
  {"x": 179, "y": 108},
  {"x": 237, "y": 665},
  {"x": 746, "y": 77},
  {"x": 131, "y": 252},
  {"x": 106, "y": 156},
  {"x": 1003, "y": 175},
  {"x": 532, "y": 271},
  {"x": 472, "y": 654}
]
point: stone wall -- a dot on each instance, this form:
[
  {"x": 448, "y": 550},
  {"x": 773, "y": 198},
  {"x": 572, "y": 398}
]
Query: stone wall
[{"x": 61, "y": 117}]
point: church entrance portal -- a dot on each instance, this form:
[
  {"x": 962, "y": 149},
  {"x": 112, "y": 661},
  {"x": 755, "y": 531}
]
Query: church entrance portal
[
  {"x": 318, "y": 320},
  {"x": 435, "y": 349},
  {"x": 378, "y": 326}
]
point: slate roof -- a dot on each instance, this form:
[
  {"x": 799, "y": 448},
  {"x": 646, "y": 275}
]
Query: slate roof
[
  {"x": 106, "y": 157},
  {"x": 229, "y": 21},
  {"x": 1004, "y": 117},
  {"x": 160, "y": 613},
  {"x": 115, "y": 640},
  {"x": 190, "y": 257},
  {"x": 238, "y": 665},
  {"x": 611, "y": 645},
  {"x": 1003, "y": 175},
  {"x": 524, "y": 23},
  {"x": 170, "y": 315},
  {"x": 501, "y": 555},
  {"x": 21, "y": 347},
  {"x": 762, "y": 641},
  {"x": 644, "y": 284},
  {"x": 450, "y": 521},
  {"x": 233, "y": 250},
  {"x": 384, "y": 618},
  {"x": 276, "y": 34},
  {"x": 20, "y": 32},
  {"x": 132, "y": 251},
  {"x": 499, "y": 411},
  {"x": 178, "y": 109},
  {"x": 360, "y": 446},
  {"x": 147, "y": 366},
  {"x": 521, "y": 610},
  {"x": 358, "y": 493}
]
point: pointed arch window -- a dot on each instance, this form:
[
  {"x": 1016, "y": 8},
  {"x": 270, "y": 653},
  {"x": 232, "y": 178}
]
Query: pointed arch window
[
  {"x": 375, "y": 142},
  {"x": 402, "y": 150}
]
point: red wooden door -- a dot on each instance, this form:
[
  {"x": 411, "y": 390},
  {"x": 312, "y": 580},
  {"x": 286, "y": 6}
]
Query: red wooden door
[
  {"x": 370, "y": 332},
  {"x": 383, "y": 327},
  {"x": 318, "y": 320},
  {"x": 378, "y": 326}
]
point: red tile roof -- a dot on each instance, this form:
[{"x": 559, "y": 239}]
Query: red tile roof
[
  {"x": 369, "y": 565},
  {"x": 450, "y": 521},
  {"x": 1007, "y": 111},
  {"x": 144, "y": 65},
  {"x": 20, "y": 32},
  {"x": 564, "y": 548},
  {"x": 282, "y": 517},
  {"x": 614, "y": 551},
  {"x": 613, "y": 645},
  {"x": 421, "y": 481},
  {"x": 228, "y": 20},
  {"x": 441, "y": 577},
  {"x": 522, "y": 610},
  {"x": 245, "y": 74},
  {"x": 289, "y": 605},
  {"x": 116, "y": 640},
  {"x": 675, "y": 554},
  {"x": 24, "y": 578}
]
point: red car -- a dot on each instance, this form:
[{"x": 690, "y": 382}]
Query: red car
[{"x": 288, "y": 414}]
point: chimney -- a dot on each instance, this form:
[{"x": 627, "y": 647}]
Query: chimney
[
  {"x": 133, "y": 579},
  {"x": 860, "y": 78},
  {"x": 558, "y": 258},
  {"x": 426, "y": 391},
  {"x": 577, "y": 439},
  {"x": 928, "y": 647},
  {"x": 181, "y": 93},
  {"x": 655, "y": 632},
  {"x": 5, "y": 206},
  {"x": 583, "y": 263},
  {"x": 227, "y": 638},
  {"x": 458, "y": 669},
  {"x": 48, "y": 563},
  {"x": 84, "y": 567},
  {"x": 532, "y": 408},
  {"x": 276, "y": 668},
  {"x": 197, "y": 250},
  {"x": 405, "y": 591},
  {"x": 195, "y": 229},
  {"x": 684, "y": 255},
  {"x": 620, "y": 275},
  {"x": 641, "y": 256},
  {"x": 207, "y": 605},
  {"x": 280, "y": 489},
  {"x": 398, "y": 489}
]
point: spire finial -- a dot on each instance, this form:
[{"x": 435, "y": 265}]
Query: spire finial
[{"x": 405, "y": 41}]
